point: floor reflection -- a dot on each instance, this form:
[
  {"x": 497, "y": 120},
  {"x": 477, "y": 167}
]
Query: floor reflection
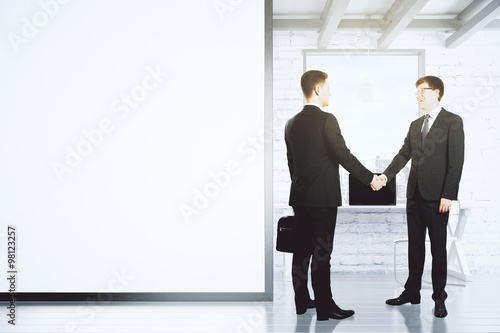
[{"x": 411, "y": 314}]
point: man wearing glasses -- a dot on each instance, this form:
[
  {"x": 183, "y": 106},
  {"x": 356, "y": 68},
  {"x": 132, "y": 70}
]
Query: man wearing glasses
[{"x": 435, "y": 144}]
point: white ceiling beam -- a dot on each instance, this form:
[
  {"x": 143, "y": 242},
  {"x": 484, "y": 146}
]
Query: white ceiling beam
[
  {"x": 472, "y": 9},
  {"x": 297, "y": 24},
  {"x": 480, "y": 20},
  {"x": 433, "y": 24},
  {"x": 326, "y": 9},
  {"x": 401, "y": 14},
  {"x": 414, "y": 25},
  {"x": 363, "y": 25},
  {"x": 334, "y": 10},
  {"x": 375, "y": 25},
  {"x": 394, "y": 10},
  {"x": 495, "y": 25}
]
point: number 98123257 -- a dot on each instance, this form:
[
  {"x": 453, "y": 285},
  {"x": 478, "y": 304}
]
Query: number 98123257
[{"x": 11, "y": 247}]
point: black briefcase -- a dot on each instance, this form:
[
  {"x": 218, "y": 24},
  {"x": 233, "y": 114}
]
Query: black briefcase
[{"x": 287, "y": 236}]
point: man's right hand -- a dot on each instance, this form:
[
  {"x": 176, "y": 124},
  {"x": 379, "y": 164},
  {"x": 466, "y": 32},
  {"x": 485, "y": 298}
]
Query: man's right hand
[{"x": 377, "y": 183}]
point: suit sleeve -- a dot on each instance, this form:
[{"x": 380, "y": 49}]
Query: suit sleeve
[
  {"x": 400, "y": 160},
  {"x": 289, "y": 155},
  {"x": 456, "y": 147},
  {"x": 336, "y": 145}
]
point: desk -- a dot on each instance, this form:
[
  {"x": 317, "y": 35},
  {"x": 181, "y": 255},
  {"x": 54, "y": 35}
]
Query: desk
[
  {"x": 355, "y": 224},
  {"x": 379, "y": 226}
]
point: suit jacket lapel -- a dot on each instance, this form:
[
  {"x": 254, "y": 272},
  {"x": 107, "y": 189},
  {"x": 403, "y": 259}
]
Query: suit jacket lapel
[{"x": 417, "y": 133}]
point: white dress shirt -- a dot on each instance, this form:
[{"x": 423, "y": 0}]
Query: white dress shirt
[{"x": 432, "y": 116}]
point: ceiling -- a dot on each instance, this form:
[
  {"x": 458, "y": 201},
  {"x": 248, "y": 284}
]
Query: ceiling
[{"x": 389, "y": 18}]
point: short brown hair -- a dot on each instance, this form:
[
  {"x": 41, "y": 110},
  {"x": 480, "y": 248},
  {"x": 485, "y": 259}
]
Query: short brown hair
[
  {"x": 434, "y": 82},
  {"x": 311, "y": 79}
]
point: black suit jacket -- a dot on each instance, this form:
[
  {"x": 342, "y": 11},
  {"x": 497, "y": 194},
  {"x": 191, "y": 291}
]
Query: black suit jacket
[
  {"x": 437, "y": 165},
  {"x": 315, "y": 148}
]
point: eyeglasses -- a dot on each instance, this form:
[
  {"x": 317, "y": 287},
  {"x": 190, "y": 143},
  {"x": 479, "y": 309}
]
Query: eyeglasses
[{"x": 421, "y": 91}]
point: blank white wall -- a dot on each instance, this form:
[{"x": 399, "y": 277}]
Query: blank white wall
[{"x": 132, "y": 136}]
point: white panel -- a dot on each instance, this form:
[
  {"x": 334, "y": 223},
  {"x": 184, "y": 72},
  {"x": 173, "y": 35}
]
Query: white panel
[{"x": 151, "y": 107}]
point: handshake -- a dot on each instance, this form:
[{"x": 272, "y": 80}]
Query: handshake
[{"x": 378, "y": 182}]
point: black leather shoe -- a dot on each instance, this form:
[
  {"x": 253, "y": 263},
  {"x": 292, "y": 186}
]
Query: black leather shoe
[
  {"x": 402, "y": 300},
  {"x": 335, "y": 313},
  {"x": 310, "y": 305},
  {"x": 440, "y": 310}
]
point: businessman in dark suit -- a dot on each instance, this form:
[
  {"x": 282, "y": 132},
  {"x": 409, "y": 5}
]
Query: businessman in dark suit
[
  {"x": 435, "y": 145},
  {"x": 315, "y": 148}
]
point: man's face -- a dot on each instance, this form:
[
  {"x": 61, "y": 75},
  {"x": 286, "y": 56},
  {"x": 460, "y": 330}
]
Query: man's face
[
  {"x": 325, "y": 94},
  {"x": 426, "y": 96}
]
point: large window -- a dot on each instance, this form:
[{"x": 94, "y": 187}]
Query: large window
[{"x": 373, "y": 99}]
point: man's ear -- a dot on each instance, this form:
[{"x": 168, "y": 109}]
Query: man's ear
[{"x": 317, "y": 90}]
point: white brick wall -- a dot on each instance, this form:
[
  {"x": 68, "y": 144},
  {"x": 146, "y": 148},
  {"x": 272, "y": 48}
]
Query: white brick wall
[{"x": 471, "y": 73}]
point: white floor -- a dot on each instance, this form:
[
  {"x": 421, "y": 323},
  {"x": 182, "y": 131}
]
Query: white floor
[{"x": 474, "y": 308}]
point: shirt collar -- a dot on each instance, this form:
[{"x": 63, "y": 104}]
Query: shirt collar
[
  {"x": 434, "y": 112},
  {"x": 314, "y": 105}
]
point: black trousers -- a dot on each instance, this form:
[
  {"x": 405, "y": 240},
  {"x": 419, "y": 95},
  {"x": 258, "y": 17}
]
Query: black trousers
[
  {"x": 422, "y": 215},
  {"x": 317, "y": 228}
]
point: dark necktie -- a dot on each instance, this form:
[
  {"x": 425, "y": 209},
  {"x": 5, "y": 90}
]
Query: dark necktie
[{"x": 425, "y": 130}]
